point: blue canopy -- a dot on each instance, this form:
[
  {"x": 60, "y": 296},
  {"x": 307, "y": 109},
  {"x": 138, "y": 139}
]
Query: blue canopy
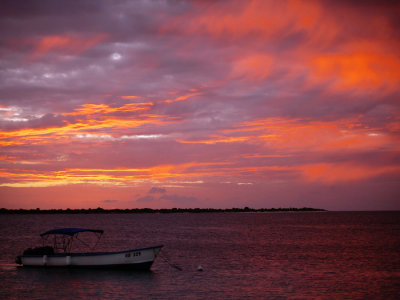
[{"x": 70, "y": 231}]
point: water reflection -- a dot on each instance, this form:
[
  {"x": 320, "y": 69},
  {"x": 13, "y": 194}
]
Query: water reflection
[
  {"x": 82, "y": 283},
  {"x": 313, "y": 255},
  {"x": 82, "y": 274}
]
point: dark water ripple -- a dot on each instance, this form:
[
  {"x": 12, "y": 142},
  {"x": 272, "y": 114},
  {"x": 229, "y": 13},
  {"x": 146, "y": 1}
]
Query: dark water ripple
[{"x": 326, "y": 255}]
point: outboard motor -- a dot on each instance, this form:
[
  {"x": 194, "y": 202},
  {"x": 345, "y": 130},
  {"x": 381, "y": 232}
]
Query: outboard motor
[{"x": 18, "y": 260}]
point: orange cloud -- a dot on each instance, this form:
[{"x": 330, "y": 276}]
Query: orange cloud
[
  {"x": 295, "y": 135},
  {"x": 91, "y": 109},
  {"x": 64, "y": 133},
  {"x": 130, "y": 97},
  {"x": 342, "y": 172},
  {"x": 117, "y": 176},
  {"x": 359, "y": 69},
  {"x": 216, "y": 139},
  {"x": 195, "y": 172},
  {"x": 253, "y": 67},
  {"x": 292, "y": 135},
  {"x": 340, "y": 46},
  {"x": 237, "y": 19},
  {"x": 182, "y": 98},
  {"x": 69, "y": 44},
  {"x": 99, "y": 119}
]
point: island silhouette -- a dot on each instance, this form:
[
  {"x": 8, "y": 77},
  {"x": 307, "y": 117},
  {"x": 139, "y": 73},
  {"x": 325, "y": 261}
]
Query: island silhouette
[{"x": 100, "y": 210}]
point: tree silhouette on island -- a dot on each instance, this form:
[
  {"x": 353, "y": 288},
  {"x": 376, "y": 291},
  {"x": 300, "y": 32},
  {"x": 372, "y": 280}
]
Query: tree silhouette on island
[{"x": 100, "y": 210}]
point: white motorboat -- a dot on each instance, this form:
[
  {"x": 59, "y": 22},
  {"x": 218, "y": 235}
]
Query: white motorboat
[{"x": 60, "y": 255}]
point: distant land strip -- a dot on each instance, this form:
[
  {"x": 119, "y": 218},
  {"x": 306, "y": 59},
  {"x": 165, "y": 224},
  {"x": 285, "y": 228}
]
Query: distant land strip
[{"x": 100, "y": 210}]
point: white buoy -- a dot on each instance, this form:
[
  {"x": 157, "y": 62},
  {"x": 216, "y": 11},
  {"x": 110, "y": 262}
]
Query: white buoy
[{"x": 200, "y": 268}]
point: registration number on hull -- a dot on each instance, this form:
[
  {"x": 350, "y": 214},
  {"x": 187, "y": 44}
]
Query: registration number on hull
[{"x": 133, "y": 254}]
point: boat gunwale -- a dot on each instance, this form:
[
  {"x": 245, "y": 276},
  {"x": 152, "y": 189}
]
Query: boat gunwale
[
  {"x": 91, "y": 253},
  {"x": 143, "y": 266}
]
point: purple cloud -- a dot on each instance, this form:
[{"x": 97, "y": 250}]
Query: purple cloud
[{"x": 156, "y": 190}]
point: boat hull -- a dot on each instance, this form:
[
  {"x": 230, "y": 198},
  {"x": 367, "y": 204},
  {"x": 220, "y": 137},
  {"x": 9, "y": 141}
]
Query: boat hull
[{"x": 135, "y": 259}]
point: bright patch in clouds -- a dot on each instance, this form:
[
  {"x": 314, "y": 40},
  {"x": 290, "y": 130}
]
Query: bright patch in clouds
[{"x": 116, "y": 56}]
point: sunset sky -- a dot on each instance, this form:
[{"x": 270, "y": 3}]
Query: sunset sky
[{"x": 160, "y": 104}]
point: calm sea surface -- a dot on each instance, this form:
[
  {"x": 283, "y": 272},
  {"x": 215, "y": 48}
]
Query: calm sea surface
[{"x": 326, "y": 255}]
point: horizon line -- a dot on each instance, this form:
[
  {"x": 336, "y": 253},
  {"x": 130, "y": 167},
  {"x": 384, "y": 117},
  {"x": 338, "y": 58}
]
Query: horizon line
[{"x": 153, "y": 210}]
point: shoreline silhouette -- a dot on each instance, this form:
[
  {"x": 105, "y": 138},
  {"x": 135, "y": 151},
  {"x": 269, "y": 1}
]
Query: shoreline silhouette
[{"x": 100, "y": 210}]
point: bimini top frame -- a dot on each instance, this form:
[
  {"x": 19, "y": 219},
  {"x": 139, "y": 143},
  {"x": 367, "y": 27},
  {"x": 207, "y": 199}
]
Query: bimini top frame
[
  {"x": 70, "y": 231},
  {"x": 63, "y": 238}
]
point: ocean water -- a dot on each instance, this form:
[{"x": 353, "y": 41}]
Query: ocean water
[{"x": 306, "y": 255}]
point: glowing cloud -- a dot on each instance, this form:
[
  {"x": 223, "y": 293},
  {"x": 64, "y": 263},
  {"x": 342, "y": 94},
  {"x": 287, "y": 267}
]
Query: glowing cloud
[
  {"x": 333, "y": 173},
  {"x": 359, "y": 69},
  {"x": 254, "y": 67},
  {"x": 71, "y": 45}
]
